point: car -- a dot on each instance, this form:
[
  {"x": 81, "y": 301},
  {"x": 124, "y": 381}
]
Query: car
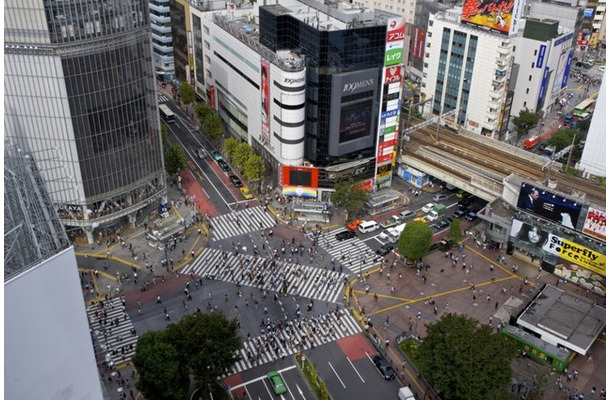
[
  {"x": 440, "y": 196},
  {"x": 442, "y": 224},
  {"x": 392, "y": 221},
  {"x": 428, "y": 207},
  {"x": 353, "y": 225},
  {"x": 277, "y": 382},
  {"x": 471, "y": 216},
  {"x": 345, "y": 235},
  {"x": 406, "y": 214},
  {"x": 385, "y": 249},
  {"x": 200, "y": 153},
  {"x": 460, "y": 213},
  {"x": 216, "y": 155},
  {"x": 425, "y": 221},
  {"x": 602, "y": 68},
  {"x": 246, "y": 193},
  {"x": 384, "y": 367},
  {"x": 223, "y": 165},
  {"x": 464, "y": 203},
  {"x": 235, "y": 180}
]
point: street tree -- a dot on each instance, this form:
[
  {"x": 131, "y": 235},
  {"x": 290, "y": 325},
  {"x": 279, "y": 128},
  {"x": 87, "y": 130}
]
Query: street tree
[
  {"x": 206, "y": 345},
  {"x": 463, "y": 359},
  {"x": 525, "y": 121},
  {"x": 160, "y": 374},
  {"x": 254, "y": 168},
  {"x": 455, "y": 231},
  {"x": 202, "y": 110},
  {"x": 212, "y": 126},
  {"x": 563, "y": 138},
  {"x": 242, "y": 152},
  {"x": 350, "y": 195},
  {"x": 230, "y": 145},
  {"x": 415, "y": 240},
  {"x": 175, "y": 160},
  {"x": 583, "y": 125},
  {"x": 187, "y": 92}
]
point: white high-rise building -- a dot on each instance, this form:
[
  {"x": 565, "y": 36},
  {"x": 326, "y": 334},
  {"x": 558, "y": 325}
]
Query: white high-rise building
[
  {"x": 163, "y": 47},
  {"x": 466, "y": 69},
  {"x": 593, "y": 160}
]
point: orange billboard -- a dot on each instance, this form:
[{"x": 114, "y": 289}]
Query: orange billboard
[{"x": 496, "y": 15}]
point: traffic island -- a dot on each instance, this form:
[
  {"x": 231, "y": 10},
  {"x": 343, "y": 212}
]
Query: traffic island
[{"x": 311, "y": 376}]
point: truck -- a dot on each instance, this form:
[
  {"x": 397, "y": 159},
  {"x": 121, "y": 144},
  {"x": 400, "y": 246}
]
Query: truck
[
  {"x": 532, "y": 142},
  {"x": 404, "y": 393},
  {"x": 394, "y": 220},
  {"x": 436, "y": 212}
]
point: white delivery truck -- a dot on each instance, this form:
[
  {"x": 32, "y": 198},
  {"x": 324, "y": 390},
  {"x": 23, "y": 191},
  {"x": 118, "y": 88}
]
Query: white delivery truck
[{"x": 404, "y": 393}]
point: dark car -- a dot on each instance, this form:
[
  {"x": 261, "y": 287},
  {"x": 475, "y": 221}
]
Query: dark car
[
  {"x": 464, "y": 203},
  {"x": 472, "y": 215},
  {"x": 216, "y": 155},
  {"x": 460, "y": 213},
  {"x": 224, "y": 166},
  {"x": 384, "y": 367},
  {"x": 345, "y": 235},
  {"x": 235, "y": 180},
  {"x": 385, "y": 249},
  {"x": 442, "y": 224}
]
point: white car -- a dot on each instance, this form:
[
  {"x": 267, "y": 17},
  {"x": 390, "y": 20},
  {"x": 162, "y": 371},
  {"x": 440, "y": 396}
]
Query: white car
[
  {"x": 602, "y": 68},
  {"x": 428, "y": 207}
]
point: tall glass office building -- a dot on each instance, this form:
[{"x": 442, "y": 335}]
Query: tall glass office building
[{"x": 80, "y": 100}]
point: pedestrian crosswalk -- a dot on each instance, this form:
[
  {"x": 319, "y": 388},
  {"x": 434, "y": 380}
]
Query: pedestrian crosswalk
[
  {"x": 113, "y": 330},
  {"x": 281, "y": 276},
  {"x": 285, "y": 338},
  {"x": 353, "y": 253},
  {"x": 162, "y": 97},
  {"x": 241, "y": 222}
]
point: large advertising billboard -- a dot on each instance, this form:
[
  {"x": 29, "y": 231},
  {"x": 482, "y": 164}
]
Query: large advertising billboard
[
  {"x": 595, "y": 223},
  {"x": 355, "y": 121},
  {"x": 395, "y": 41},
  {"x": 549, "y": 205},
  {"x": 265, "y": 76},
  {"x": 299, "y": 176},
  {"x": 495, "y": 15}
]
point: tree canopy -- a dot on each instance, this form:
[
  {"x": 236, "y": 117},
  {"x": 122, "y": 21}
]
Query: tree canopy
[
  {"x": 415, "y": 240},
  {"x": 254, "y": 167},
  {"x": 563, "y": 138},
  {"x": 525, "y": 121},
  {"x": 349, "y": 195},
  {"x": 175, "y": 160},
  {"x": 187, "y": 92},
  {"x": 202, "y": 345},
  {"x": 463, "y": 359},
  {"x": 212, "y": 126},
  {"x": 242, "y": 152},
  {"x": 455, "y": 231},
  {"x": 230, "y": 145}
]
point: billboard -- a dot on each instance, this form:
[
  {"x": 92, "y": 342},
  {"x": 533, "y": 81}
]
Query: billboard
[
  {"x": 549, "y": 205},
  {"x": 355, "y": 121},
  {"x": 299, "y": 191},
  {"x": 299, "y": 176},
  {"x": 419, "y": 37},
  {"x": 395, "y": 40},
  {"x": 595, "y": 223},
  {"x": 495, "y": 15},
  {"x": 265, "y": 76},
  {"x": 393, "y": 74}
]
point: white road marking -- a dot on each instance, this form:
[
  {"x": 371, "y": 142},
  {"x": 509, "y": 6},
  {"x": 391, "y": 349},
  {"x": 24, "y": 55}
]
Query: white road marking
[{"x": 331, "y": 367}]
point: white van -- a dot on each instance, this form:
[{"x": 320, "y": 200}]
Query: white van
[{"x": 368, "y": 226}]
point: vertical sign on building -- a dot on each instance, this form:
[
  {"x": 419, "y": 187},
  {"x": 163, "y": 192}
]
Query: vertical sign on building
[
  {"x": 391, "y": 97},
  {"x": 212, "y": 97},
  {"x": 265, "y": 129}
]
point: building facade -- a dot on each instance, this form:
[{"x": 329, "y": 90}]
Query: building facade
[
  {"x": 80, "y": 97},
  {"x": 466, "y": 70},
  {"x": 163, "y": 48},
  {"x": 593, "y": 160},
  {"x": 308, "y": 86}
]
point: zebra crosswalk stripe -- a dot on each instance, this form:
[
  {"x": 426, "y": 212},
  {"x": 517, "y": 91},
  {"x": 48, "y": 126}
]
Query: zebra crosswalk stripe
[
  {"x": 354, "y": 250},
  {"x": 308, "y": 332},
  {"x": 254, "y": 271},
  {"x": 117, "y": 336},
  {"x": 162, "y": 98},
  {"x": 240, "y": 222}
]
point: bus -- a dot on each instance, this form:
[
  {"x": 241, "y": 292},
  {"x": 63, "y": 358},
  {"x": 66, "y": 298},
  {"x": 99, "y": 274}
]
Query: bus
[
  {"x": 583, "y": 107},
  {"x": 167, "y": 114}
]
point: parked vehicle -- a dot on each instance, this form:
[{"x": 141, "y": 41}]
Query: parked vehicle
[
  {"x": 472, "y": 215},
  {"x": 436, "y": 212},
  {"x": 246, "y": 193},
  {"x": 406, "y": 214},
  {"x": 404, "y": 393},
  {"x": 216, "y": 155},
  {"x": 460, "y": 213},
  {"x": 440, "y": 197},
  {"x": 384, "y": 367},
  {"x": 236, "y": 181},
  {"x": 223, "y": 165},
  {"x": 394, "y": 220},
  {"x": 368, "y": 226},
  {"x": 442, "y": 224},
  {"x": 428, "y": 207},
  {"x": 532, "y": 142}
]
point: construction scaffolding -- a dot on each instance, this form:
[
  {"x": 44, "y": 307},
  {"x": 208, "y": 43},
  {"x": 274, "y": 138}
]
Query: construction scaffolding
[{"x": 32, "y": 228}]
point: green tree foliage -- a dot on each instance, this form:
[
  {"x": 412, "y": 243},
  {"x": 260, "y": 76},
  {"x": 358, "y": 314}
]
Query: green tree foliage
[
  {"x": 455, "y": 231},
  {"x": 464, "y": 359},
  {"x": 164, "y": 135},
  {"x": 206, "y": 344},
  {"x": 212, "y": 126},
  {"x": 187, "y": 92},
  {"x": 242, "y": 152},
  {"x": 525, "y": 121},
  {"x": 160, "y": 374},
  {"x": 202, "y": 110},
  {"x": 583, "y": 125},
  {"x": 175, "y": 160},
  {"x": 563, "y": 138},
  {"x": 230, "y": 145},
  {"x": 415, "y": 240},
  {"x": 254, "y": 167},
  {"x": 349, "y": 195}
]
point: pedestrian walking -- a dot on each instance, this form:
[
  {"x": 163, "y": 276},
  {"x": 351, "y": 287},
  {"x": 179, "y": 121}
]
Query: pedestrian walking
[{"x": 159, "y": 299}]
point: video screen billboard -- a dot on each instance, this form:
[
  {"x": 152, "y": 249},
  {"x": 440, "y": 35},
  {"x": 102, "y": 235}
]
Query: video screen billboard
[
  {"x": 355, "y": 121},
  {"x": 595, "y": 223},
  {"x": 549, "y": 205},
  {"x": 531, "y": 234},
  {"x": 299, "y": 176},
  {"x": 495, "y": 15}
]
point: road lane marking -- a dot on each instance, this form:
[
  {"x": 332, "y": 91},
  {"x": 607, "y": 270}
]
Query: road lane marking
[
  {"x": 358, "y": 373},
  {"x": 331, "y": 367}
]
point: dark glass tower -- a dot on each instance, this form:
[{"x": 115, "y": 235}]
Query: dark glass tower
[{"x": 80, "y": 99}]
